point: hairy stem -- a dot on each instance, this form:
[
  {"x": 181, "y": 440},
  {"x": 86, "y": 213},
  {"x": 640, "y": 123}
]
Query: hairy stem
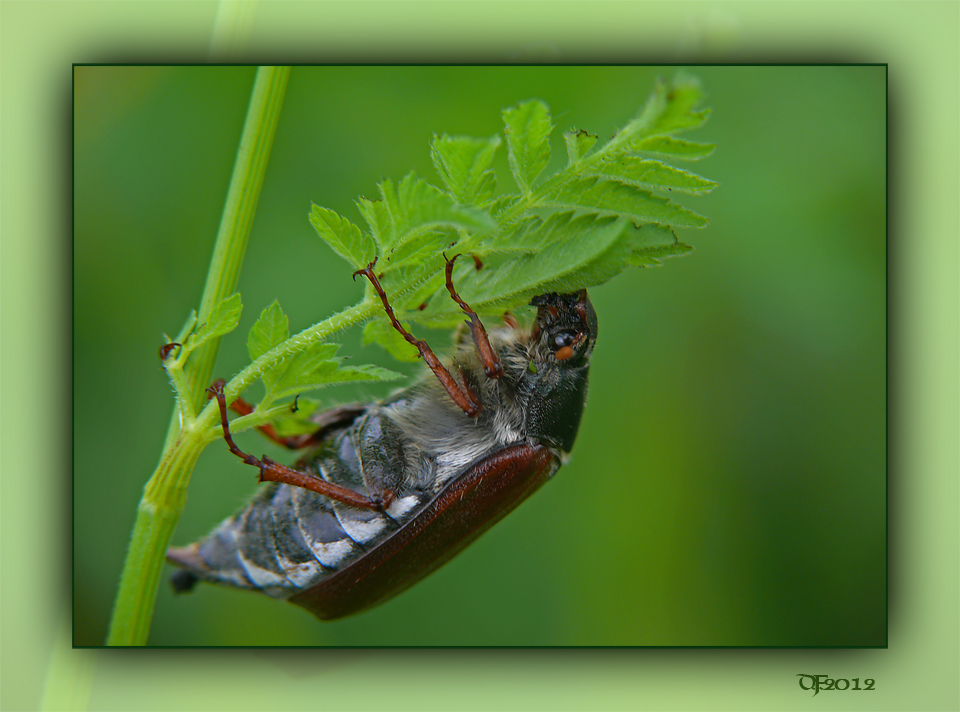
[{"x": 165, "y": 493}]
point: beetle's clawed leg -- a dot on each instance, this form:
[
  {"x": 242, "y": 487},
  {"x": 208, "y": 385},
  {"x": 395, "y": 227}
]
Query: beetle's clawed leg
[
  {"x": 491, "y": 364},
  {"x": 381, "y": 501},
  {"x": 460, "y": 395},
  {"x": 216, "y": 391},
  {"x": 272, "y": 471},
  {"x": 291, "y": 442}
]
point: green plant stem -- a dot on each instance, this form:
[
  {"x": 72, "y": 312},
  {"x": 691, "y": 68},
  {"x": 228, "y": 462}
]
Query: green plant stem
[
  {"x": 238, "y": 212},
  {"x": 165, "y": 493}
]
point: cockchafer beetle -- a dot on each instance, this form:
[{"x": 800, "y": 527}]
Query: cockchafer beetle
[{"x": 390, "y": 491}]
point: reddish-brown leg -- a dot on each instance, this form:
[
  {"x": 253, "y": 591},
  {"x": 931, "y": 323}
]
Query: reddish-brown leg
[
  {"x": 467, "y": 402},
  {"x": 271, "y": 471},
  {"x": 491, "y": 364},
  {"x": 292, "y": 442}
]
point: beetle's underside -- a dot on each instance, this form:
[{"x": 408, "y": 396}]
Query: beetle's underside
[{"x": 390, "y": 491}]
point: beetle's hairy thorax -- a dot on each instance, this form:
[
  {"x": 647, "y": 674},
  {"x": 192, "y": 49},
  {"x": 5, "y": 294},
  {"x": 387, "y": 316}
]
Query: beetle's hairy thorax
[{"x": 430, "y": 418}]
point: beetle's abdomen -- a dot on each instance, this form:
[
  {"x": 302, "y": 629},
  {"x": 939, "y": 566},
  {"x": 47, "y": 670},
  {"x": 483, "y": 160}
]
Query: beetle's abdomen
[
  {"x": 463, "y": 510},
  {"x": 288, "y": 538}
]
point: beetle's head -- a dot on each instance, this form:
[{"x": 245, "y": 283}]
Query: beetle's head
[{"x": 566, "y": 327}]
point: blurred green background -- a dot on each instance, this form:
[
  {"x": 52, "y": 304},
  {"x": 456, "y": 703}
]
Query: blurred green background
[{"x": 728, "y": 483}]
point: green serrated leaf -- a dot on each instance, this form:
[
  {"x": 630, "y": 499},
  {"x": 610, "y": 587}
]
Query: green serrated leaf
[
  {"x": 222, "y": 320},
  {"x": 420, "y": 248},
  {"x": 675, "y": 148},
  {"x": 343, "y": 236},
  {"x": 299, "y": 422},
  {"x": 610, "y": 197},
  {"x": 652, "y": 243},
  {"x": 652, "y": 236},
  {"x": 527, "y": 127},
  {"x": 323, "y": 377},
  {"x": 416, "y": 208},
  {"x": 652, "y": 257},
  {"x": 504, "y": 203},
  {"x": 586, "y": 250},
  {"x": 366, "y": 372},
  {"x": 377, "y": 215},
  {"x": 318, "y": 357},
  {"x": 579, "y": 142},
  {"x": 464, "y": 165},
  {"x": 645, "y": 172},
  {"x": 533, "y": 234},
  {"x": 670, "y": 108},
  {"x": 381, "y": 332},
  {"x": 270, "y": 329},
  {"x": 414, "y": 301},
  {"x": 312, "y": 358}
]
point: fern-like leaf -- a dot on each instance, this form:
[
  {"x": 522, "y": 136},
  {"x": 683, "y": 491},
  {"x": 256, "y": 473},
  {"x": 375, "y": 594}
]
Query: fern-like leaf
[
  {"x": 527, "y": 128},
  {"x": 343, "y": 236},
  {"x": 655, "y": 174},
  {"x": 574, "y": 229},
  {"x": 579, "y": 142},
  {"x": 611, "y": 197},
  {"x": 464, "y": 165}
]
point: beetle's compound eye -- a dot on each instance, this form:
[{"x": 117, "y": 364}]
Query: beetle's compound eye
[
  {"x": 564, "y": 338},
  {"x": 563, "y": 344}
]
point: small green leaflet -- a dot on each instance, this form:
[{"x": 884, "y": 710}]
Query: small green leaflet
[
  {"x": 464, "y": 165},
  {"x": 343, "y": 374},
  {"x": 270, "y": 330},
  {"x": 611, "y": 197},
  {"x": 669, "y": 110},
  {"x": 310, "y": 365},
  {"x": 315, "y": 366},
  {"x": 298, "y": 422},
  {"x": 343, "y": 236},
  {"x": 318, "y": 366},
  {"x": 641, "y": 171},
  {"x": 222, "y": 320},
  {"x": 579, "y": 142},
  {"x": 652, "y": 243},
  {"x": 378, "y": 218},
  {"x": 415, "y": 207},
  {"x": 527, "y": 128},
  {"x": 676, "y": 148},
  {"x": 381, "y": 331}
]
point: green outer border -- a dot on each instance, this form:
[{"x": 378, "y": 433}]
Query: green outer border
[{"x": 918, "y": 671}]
